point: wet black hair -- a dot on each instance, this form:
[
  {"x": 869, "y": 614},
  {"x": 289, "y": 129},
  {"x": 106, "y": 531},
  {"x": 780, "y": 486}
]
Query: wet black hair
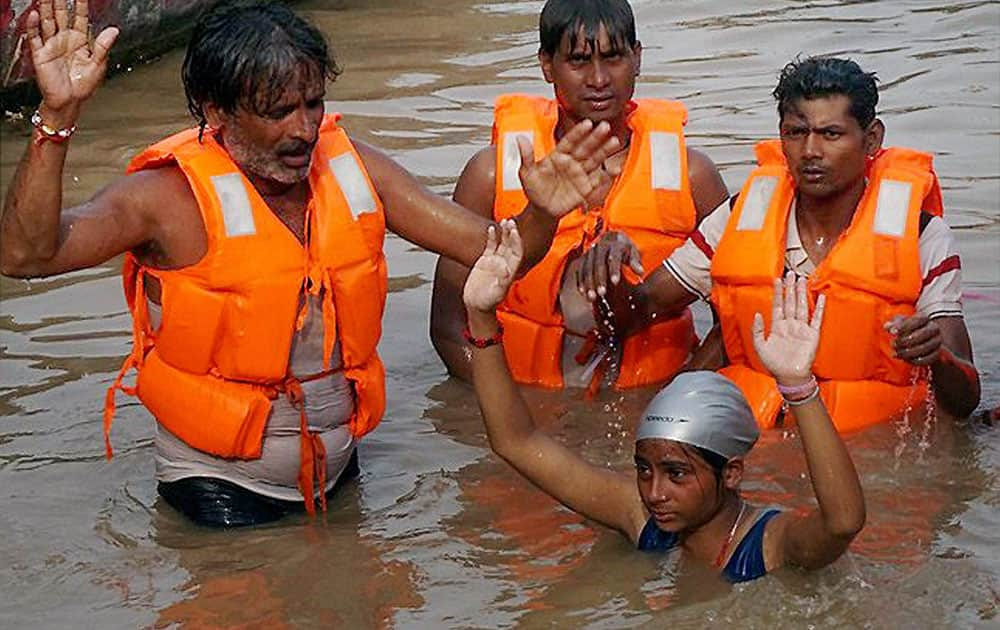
[
  {"x": 562, "y": 17},
  {"x": 245, "y": 53},
  {"x": 713, "y": 459},
  {"x": 815, "y": 77}
]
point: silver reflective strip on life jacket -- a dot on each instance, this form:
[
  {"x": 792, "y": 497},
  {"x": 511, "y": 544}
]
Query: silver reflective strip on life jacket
[
  {"x": 237, "y": 215},
  {"x": 757, "y": 201},
  {"x": 512, "y": 158},
  {"x": 665, "y": 158},
  {"x": 890, "y": 210},
  {"x": 353, "y": 185}
]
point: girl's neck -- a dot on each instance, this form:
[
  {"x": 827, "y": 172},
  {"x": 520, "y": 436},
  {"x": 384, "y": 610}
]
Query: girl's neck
[{"x": 706, "y": 541}]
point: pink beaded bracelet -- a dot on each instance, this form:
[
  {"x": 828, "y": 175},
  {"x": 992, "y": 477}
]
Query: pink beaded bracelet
[{"x": 791, "y": 390}]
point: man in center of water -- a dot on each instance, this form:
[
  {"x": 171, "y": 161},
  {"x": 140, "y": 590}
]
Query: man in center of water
[{"x": 590, "y": 54}]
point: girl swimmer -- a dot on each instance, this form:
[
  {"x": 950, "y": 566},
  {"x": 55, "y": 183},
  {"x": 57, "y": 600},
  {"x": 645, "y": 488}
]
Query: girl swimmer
[{"x": 690, "y": 444}]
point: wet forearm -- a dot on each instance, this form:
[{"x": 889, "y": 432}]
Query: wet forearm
[
  {"x": 506, "y": 415},
  {"x": 661, "y": 296},
  {"x": 831, "y": 470},
  {"x": 29, "y": 227},
  {"x": 454, "y": 352},
  {"x": 537, "y": 228},
  {"x": 956, "y": 384}
]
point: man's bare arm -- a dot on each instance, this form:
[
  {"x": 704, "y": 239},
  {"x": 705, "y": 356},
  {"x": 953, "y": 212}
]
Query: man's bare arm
[
  {"x": 660, "y": 295},
  {"x": 37, "y": 238},
  {"x": 475, "y": 191},
  {"x": 943, "y": 344},
  {"x": 556, "y": 184}
]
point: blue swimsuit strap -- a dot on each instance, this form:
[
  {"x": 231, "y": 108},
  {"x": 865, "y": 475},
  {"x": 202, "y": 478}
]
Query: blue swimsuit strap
[{"x": 747, "y": 562}]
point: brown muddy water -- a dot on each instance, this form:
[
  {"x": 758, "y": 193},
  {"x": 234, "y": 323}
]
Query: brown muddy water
[{"x": 438, "y": 532}]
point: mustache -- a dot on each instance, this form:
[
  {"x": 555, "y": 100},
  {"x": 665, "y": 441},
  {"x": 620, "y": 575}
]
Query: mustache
[{"x": 294, "y": 147}]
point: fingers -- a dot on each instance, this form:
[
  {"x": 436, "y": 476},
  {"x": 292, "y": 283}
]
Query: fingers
[
  {"x": 777, "y": 302},
  {"x": 893, "y": 324},
  {"x": 757, "y": 332},
  {"x": 917, "y": 339},
  {"x": 34, "y": 35},
  {"x": 635, "y": 260},
  {"x": 817, "y": 318},
  {"x": 922, "y": 354},
  {"x": 588, "y": 145},
  {"x": 909, "y": 342},
  {"x": 47, "y": 19},
  {"x": 103, "y": 44},
  {"x": 625, "y": 252},
  {"x": 597, "y": 183},
  {"x": 516, "y": 246},
  {"x": 615, "y": 260},
  {"x": 921, "y": 347},
  {"x": 595, "y": 160},
  {"x": 613, "y": 169},
  {"x": 61, "y": 14},
  {"x": 789, "y": 301},
  {"x": 600, "y": 269},
  {"x": 503, "y": 247},
  {"x": 491, "y": 241},
  {"x": 586, "y": 275},
  {"x": 802, "y": 300},
  {"x": 911, "y": 324},
  {"x": 527, "y": 150},
  {"x": 81, "y": 17}
]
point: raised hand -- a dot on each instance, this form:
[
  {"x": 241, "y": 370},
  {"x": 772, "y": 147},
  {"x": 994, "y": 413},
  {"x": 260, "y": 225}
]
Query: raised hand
[
  {"x": 789, "y": 351},
  {"x": 493, "y": 273},
  {"x": 573, "y": 174},
  {"x": 68, "y": 68}
]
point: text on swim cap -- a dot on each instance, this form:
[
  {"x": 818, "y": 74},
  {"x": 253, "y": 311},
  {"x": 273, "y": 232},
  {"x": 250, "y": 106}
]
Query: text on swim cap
[{"x": 665, "y": 419}]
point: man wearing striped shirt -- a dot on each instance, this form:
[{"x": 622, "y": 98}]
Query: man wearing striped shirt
[{"x": 826, "y": 176}]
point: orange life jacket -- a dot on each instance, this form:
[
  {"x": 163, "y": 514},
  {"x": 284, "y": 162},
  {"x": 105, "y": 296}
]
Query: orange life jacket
[
  {"x": 871, "y": 275},
  {"x": 220, "y": 355},
  {"x": 650, "y": 201}
]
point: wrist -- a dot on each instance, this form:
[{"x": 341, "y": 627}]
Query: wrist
[
  {"x": 536, "y": 213},
  {"x": 483, "y": 323},
  {"x": 483, "y": 332},
  {"x": 794, "y": 381},
  {"x": 59, "y": 117},
  {"x": 798, "y": 391}
]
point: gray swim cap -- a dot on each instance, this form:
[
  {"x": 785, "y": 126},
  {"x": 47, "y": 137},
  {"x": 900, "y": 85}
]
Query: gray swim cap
[{"x": 702, "y": 409}]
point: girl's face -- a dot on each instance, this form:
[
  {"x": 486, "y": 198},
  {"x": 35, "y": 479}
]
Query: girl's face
[{"x": 677, "y": 486}]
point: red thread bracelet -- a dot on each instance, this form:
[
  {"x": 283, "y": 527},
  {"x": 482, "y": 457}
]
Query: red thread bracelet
[
  {"x": 46, "y": 133},
  {"x": 483, "y": 342}
]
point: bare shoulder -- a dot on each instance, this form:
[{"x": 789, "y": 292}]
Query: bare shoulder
[
  {"x": 380, "y": 166},
  {"x": 707, "y": 186},
  {"x": 699, "y": 164},
  {"x": 476, "y": 186},
  {"x": 162, "y": 199},
  {"x": 482, "y": 166}
]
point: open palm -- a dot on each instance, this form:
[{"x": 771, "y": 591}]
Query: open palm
[
  {"x": 573, "y": 174},
  {"x": 67, "y": 68},
  {"x": 493, "y": 273},
  {"x": 789, "y": 351}
]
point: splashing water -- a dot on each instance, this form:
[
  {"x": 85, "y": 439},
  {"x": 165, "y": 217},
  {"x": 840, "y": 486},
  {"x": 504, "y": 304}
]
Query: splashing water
[
  {"x": 617, "y": 427},
  {"x": 918, "y": 376},
  {"x": 930, "y": 415}
]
